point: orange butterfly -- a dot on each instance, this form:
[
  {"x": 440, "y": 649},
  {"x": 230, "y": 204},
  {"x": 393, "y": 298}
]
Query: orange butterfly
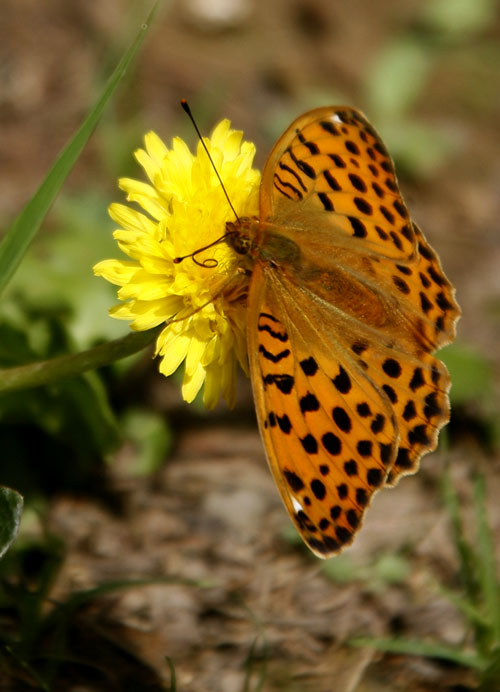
[{"x": 347, "y": 302}]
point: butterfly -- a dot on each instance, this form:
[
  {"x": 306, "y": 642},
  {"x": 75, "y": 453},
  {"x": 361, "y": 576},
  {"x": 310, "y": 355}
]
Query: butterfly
[{"x": 346, "y": 304}]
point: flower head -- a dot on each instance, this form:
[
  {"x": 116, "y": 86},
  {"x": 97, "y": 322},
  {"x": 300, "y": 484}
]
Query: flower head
[{"x": 183, "y": 210}]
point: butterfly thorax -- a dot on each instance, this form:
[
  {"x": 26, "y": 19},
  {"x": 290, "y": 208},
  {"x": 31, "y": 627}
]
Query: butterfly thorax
[{"x": 259, "y": 240}]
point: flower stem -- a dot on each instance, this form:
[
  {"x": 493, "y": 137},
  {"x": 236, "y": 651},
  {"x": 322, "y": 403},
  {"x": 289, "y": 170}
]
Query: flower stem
[{"x": 71, "y": 365}]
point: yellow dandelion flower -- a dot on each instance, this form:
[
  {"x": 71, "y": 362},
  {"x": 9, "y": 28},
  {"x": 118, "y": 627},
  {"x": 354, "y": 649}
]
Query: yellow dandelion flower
[{"x": 184, "y": 209}]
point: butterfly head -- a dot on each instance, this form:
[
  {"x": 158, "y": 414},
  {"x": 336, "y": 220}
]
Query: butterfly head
[{"x": 240, "y": 235}]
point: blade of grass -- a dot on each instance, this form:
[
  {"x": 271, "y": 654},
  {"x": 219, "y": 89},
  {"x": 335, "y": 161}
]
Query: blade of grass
[
  {"x": 11, "y": 506},
  {"x": 79, "y": 598},
  {"x": 18, "y": 238},
  {"x": 45, "y": 371},
  {"x": 490, "y": 679},
  {"x": 464, "y": 551},
  {"x": 251, "y": 664},
  {"x": 172, "y": 685},
  {"x": 418, "y": 648},
  {"x": 472, "y": 614},
  {"x": 29, "y": 669},
  {"x": 487, "y": 562}
]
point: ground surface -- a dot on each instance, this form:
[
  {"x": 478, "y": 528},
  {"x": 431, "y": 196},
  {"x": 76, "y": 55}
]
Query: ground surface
[{"x": 237, "y": 587}]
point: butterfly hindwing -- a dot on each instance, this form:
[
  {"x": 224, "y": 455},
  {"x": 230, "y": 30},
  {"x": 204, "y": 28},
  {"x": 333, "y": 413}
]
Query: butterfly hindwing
[{"x": 330, "y": 437}]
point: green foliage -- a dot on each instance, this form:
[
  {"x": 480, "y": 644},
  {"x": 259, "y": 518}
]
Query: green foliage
[
  {"x": 478, "y": 573},
  {"x": 56, "y": 422},
  {"x": 61, "y": 260},
  {"x": 20, "y": 235},
  {"x": 478, "y": 602},
  {"x": 151, "y": 437},
  {"x": 26, "y": 575},
  {"x": 70, "y": 418}
]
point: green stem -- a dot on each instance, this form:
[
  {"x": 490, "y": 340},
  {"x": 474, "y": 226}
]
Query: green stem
[{"x": 47, "y": 371}]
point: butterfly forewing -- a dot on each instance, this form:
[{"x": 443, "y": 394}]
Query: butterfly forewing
[{"x": 331, "y": 168}]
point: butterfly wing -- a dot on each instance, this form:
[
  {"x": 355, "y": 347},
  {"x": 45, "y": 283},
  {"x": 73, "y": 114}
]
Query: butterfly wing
[
  {"x": 342, "y": 325},
  {"x": 332, "y": 160},
  {"x": 330, "y": 437}
]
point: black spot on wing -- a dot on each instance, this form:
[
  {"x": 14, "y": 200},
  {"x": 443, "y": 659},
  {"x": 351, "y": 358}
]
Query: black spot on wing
[
  {"x": 310, "y": 444},
  {"x": 263, "y": 327},
  {"x": 318, "y": 489},
  {"x": 309, "y": 366},
  {"x": 326, "y": 201},
  {"x": 342, "y": 419},
  {"x": 302, "y": 165},
  {"x": 290, "y": 170},
  {"x": 329, "y": 127},
  {"x": 285, "y": 383},
  {"x": 308, "y": 403},
  {"x": 312, "y": 146},
  {"x": 358, "y": 227},
  {"x": 274, "y": 357},
  {"x": 284, "y": 188},
  {"x": 332, "y": 181},
  {"x": 284, "y": 423},
  {"x": 342, "y": 381},
  {"x": 293, "y": 481}
]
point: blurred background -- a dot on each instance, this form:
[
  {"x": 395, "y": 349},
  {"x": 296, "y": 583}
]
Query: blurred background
[{"x": 152, "y": 529}]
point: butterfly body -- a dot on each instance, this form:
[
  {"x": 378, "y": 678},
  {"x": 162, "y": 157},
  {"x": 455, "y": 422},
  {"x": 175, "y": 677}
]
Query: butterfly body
[{"x": 346, "y": 304}]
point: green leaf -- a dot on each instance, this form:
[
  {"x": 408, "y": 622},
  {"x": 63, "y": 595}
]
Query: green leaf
[
  {"x": 18, "y": 238},
  {"x": 65, "y": 287},
  {"x": 53, "y": 436},
  {"x": 88, "y": 415},
  {"x": 11, "y": 505},
  {"x": 151, "y": 438}
]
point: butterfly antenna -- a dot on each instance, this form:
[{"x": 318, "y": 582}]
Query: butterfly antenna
[
  {"x": 209, "y": 263},
  {"x": 186, "y": 108}
]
